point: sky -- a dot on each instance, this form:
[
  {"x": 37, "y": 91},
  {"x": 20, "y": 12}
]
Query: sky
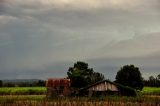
[{"x": 41, "y": 39}]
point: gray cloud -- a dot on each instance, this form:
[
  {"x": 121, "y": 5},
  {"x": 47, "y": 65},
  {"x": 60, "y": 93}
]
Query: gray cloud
[
  {"x": 138, "y": 46},
  {"x": 38, "y": 34}
]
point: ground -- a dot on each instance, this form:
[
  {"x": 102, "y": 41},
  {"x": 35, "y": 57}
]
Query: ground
[{"x": 29, "y": 99}]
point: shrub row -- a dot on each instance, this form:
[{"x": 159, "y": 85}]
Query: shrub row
[{"x": 126, "y": 91}]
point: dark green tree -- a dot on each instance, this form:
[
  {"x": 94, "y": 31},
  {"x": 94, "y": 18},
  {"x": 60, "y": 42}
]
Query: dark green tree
[
  {"x": 152, "y": 81},
  {"x": 151, "y": 78},
  {"x": 158, "y": 77},
  {"x": 129, "y": 75},
  {"x": 1, "y": 83},
  {"x": 81, "y": 76},
  {"x": 158, "y": 80},
  {"x": 40, "y": 83}
]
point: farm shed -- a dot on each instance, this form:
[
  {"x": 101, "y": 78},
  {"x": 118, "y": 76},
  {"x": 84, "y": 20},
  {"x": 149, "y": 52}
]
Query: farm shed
[
  {"x": 58, "y": 87},
  {"x": 104, "y": 87}
]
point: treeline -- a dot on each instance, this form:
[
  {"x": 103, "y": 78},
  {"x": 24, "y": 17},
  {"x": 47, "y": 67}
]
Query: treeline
[
  {"x": 152, "y": 81},
  {"x": 39, "y": 83}
]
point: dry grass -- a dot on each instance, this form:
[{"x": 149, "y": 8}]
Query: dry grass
[
  {"x": 75, "y": 103},
  {"x": 105, "y": 101}
]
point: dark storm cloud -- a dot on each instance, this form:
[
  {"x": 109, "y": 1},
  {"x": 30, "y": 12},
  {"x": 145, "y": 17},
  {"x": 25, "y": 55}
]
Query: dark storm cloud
[
  {"x": 46, "y": 37},
  {"x": 2, "y": 3},
  {"x": 142, "y": 51}
]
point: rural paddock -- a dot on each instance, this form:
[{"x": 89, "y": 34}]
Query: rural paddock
[
  {"x": 43, "y": 103},
  {"x": 106, "y": 101},
  {"x": 40, "y": 100}
]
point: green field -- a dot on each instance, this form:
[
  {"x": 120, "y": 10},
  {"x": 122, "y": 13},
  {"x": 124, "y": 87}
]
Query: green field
[
  {"x": 42, "y": 91},
  {"x": 151, "y": 91},
  {"x": 35, "y": 96},
  {"x": 22, "y": 91}
]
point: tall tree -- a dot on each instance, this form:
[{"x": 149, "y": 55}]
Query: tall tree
[
  {"x": 82, "y": 76},
  {"x": 158, "y": 77},
  {"x": 129, "y": 75},
  {"x": 151, "y": 78},
  {"x": 1, "y": 83}
]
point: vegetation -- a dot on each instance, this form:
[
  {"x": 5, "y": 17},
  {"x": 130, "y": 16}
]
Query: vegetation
[
  {"x": 129, "y": 75},
  {"x": 41, "y": 100},
  {"x": 22, "y": 98},
  {"x": 38, "y": 83},
  {"x": 101, "y": 101},
  {"x": 82, "y": 76},
  {"x": 1, "y": 83},
  {"x": 42, "y": 90},
  {"x": 152, "y": 82},
  {"x": 129, "y": 79},
  {"x": 22, "y": 90},
  {"x": 126, "y": 91},
  {"x": 151, "y": 91}
]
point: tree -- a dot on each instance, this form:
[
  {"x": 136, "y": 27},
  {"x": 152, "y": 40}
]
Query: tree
[
  {"x": 81, "y": 76},
  {"x": 1, "y": 83},
  {"x": 152, "y": 81},
  {"x": 158, "y": 80},
  {"x": 151, "y": 78},
  {"x": 158, "y": 77},
  {"x": 40, "y": 83},
  {"x": 129, "y": 75}
]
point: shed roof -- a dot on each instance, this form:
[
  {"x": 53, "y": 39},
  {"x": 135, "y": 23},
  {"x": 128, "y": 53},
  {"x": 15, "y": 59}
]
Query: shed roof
[{"x": 99, "y": 82}]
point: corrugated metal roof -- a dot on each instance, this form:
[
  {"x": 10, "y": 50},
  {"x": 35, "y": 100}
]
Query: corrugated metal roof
[{"x": 92, "y": 85}]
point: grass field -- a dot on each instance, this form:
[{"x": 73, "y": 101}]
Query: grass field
[
  {"x": 35, "y": 96},
  {"x": 22, "y": 91},
  {"x": 42, "y": 91},
  {"x": 151, "y": 91},
  {"x": 40, "y": 100}
]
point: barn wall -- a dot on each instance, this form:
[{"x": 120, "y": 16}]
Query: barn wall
[
  {"x": 105, "y": 86},
  {"x": 57, "y": 87},
  {"x": 58, "y": 83}
]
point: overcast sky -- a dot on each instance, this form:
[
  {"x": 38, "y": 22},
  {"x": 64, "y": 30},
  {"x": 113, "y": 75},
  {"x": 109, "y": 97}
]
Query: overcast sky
[{"x": 43, "y": 38}]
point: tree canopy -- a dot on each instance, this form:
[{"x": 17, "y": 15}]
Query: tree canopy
[
  {"x": 1, "y": 83},
  {"x": 153, "y": 81},
  {"x": 81, "y": 76},
  {"x": 129, "y": 75},
  {"x": 158, "y": 77}
]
